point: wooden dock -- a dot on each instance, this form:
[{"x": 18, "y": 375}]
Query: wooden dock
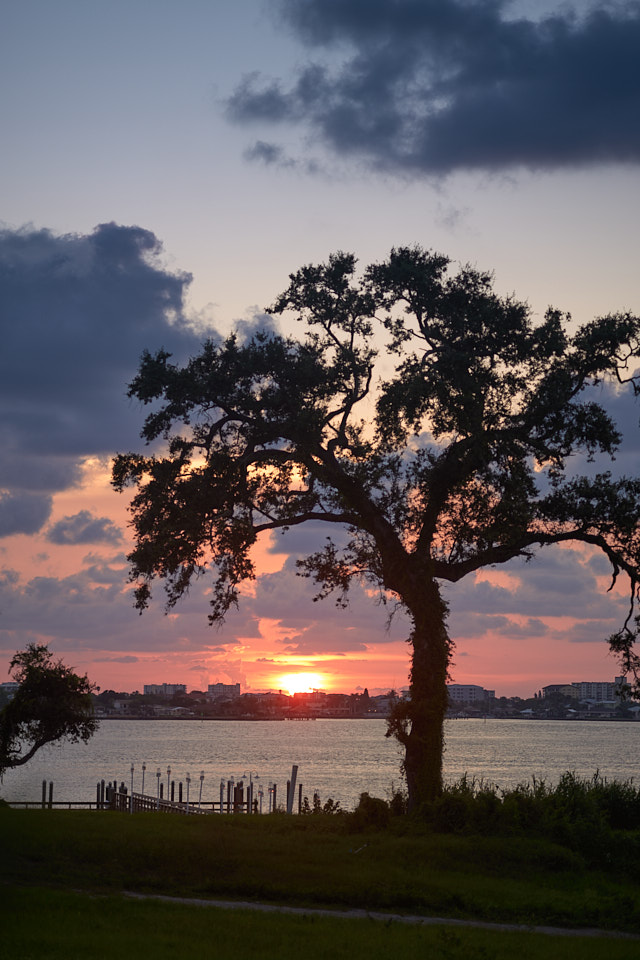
[{"x": 234, "y": 798}]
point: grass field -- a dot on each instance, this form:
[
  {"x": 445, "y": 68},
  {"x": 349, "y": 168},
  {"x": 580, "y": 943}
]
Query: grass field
[
  {"x": 64, "y": 873},
  {"x": 59, "y": 925}
]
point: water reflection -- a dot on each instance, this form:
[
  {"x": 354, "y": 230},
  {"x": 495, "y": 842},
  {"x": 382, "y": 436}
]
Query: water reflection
[{"x": 337, "y": 758}]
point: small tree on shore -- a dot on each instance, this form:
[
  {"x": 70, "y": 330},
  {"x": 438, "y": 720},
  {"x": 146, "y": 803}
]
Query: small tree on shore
[
  {"x": 52, "y": 703},
  {"x": 455, "y": 458}
]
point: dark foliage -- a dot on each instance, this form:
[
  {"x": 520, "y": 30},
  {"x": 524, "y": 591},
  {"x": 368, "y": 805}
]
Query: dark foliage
[
  {"x": 372, "y": 814},
  {"x": 52, "y": 703},
  {"x": 317, "y": 808},
  {"x": 596, "y": 818}
]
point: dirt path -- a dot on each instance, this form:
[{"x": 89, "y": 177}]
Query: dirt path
[{"x": 354, "y": 914}]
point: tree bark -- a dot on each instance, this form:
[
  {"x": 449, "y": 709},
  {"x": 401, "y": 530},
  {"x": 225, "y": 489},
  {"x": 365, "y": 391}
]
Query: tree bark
[{"x": 422, "y": 732}]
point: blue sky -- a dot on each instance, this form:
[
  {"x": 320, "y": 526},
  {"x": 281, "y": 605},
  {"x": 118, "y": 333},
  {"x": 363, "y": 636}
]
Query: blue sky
[{"x": 227, "y": 144}]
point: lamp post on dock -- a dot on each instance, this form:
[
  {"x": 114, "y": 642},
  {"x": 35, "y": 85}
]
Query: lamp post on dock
[
  {"x": 188, "y": 779},
  {"x": 158, "y": 775},
  {"x": 131, "y": 794},
  {"x": 200, "y": 794},
  {"x": 168, "y": 778},
  {"x": 251, "y": 776},
  {"x": 144, "y": 767}
]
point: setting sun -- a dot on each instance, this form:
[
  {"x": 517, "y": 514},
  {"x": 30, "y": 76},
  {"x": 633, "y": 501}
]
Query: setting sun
[{"x": 300, "y": 682}]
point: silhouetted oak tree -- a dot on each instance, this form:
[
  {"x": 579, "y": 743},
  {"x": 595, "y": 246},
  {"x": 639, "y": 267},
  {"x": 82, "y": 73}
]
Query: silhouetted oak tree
[
  {"x": 52, "y": 703},
  {"x": 429, "y": 419}
]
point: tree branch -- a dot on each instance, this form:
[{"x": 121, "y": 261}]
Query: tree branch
[
  {"x": 503, "y": 553},
  {"x": 348, "y": 518}
]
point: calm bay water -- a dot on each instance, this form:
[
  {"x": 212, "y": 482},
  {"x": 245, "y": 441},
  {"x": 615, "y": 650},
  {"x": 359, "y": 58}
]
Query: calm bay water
[{"x": 338, "y": 758}]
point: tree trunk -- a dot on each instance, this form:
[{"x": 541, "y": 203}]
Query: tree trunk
[{"x": 423, "y": 733}]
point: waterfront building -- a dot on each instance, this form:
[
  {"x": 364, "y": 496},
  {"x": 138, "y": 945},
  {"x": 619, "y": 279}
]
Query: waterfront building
[
  {"x": 164, "y": 689},
  {"x": 596, "y": 690},
  {"x": 564, "y": 689},
  {"x": 468, "y": 693},
  {"x": 228, "y": 691}
]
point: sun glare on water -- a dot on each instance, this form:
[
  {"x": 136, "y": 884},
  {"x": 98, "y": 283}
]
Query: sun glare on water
[{"x": 301, "y": 682}]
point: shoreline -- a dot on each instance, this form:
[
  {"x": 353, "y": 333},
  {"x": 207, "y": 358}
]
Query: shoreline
[{"x": 380, "y": 717}]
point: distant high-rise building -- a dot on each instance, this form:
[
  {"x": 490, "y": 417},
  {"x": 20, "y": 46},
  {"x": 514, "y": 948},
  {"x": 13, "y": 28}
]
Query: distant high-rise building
[
  {"x": 468, "y": 693},
  {"x": 598, "y": 690},
  {"x": 227, "y": 690},
  {"x": 164, "y": 689}
]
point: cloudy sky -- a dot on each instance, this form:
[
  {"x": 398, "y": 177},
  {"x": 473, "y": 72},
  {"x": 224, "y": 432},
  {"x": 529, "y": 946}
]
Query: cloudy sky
[{"x": 165, "y": 167}]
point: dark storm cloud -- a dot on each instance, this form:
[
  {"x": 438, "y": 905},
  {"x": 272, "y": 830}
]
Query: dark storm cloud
[
  {"x": 36, "y": 473},
  {"x": 426, "y": 88},
  {"x": 532, "y": 627},
  {"x": 83, "y": 527},
  {"x": 556, "y": 584},
  {"x": 116, "y": 659},
  {"x": 105, "y": 570},
  {"x": 76, "y": 312},
  {"x": 23, "y": 512},
  {"x": 307, "y": 538},
  {"x": 92, "y": 608},
  {"x": 313, "y": 628}
]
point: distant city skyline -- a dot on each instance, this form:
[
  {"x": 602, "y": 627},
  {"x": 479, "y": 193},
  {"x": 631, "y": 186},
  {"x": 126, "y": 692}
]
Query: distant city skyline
[{"x": 169, "y": 689}]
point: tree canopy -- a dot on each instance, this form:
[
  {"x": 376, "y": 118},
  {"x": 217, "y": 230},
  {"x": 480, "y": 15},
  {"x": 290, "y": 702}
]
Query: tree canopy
[
  {"x": 52, "y": 703},
  {"x": 432, "y": 421}
]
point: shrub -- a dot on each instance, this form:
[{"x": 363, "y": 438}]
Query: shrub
[
  {"x": 372, "y": 813},
  {"x": 619, "y": 802},
  {"x": 329, "y": 807},
  {"x": 399, "y": 801}
]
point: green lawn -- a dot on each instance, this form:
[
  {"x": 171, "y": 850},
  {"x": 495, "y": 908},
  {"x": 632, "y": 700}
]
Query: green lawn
[
  {"x": 57, "y": 925},
  {"x": 68, "y": 869}
]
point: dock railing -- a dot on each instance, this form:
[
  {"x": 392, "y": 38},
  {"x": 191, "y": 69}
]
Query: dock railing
[{"x": 142, "y": 803}]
